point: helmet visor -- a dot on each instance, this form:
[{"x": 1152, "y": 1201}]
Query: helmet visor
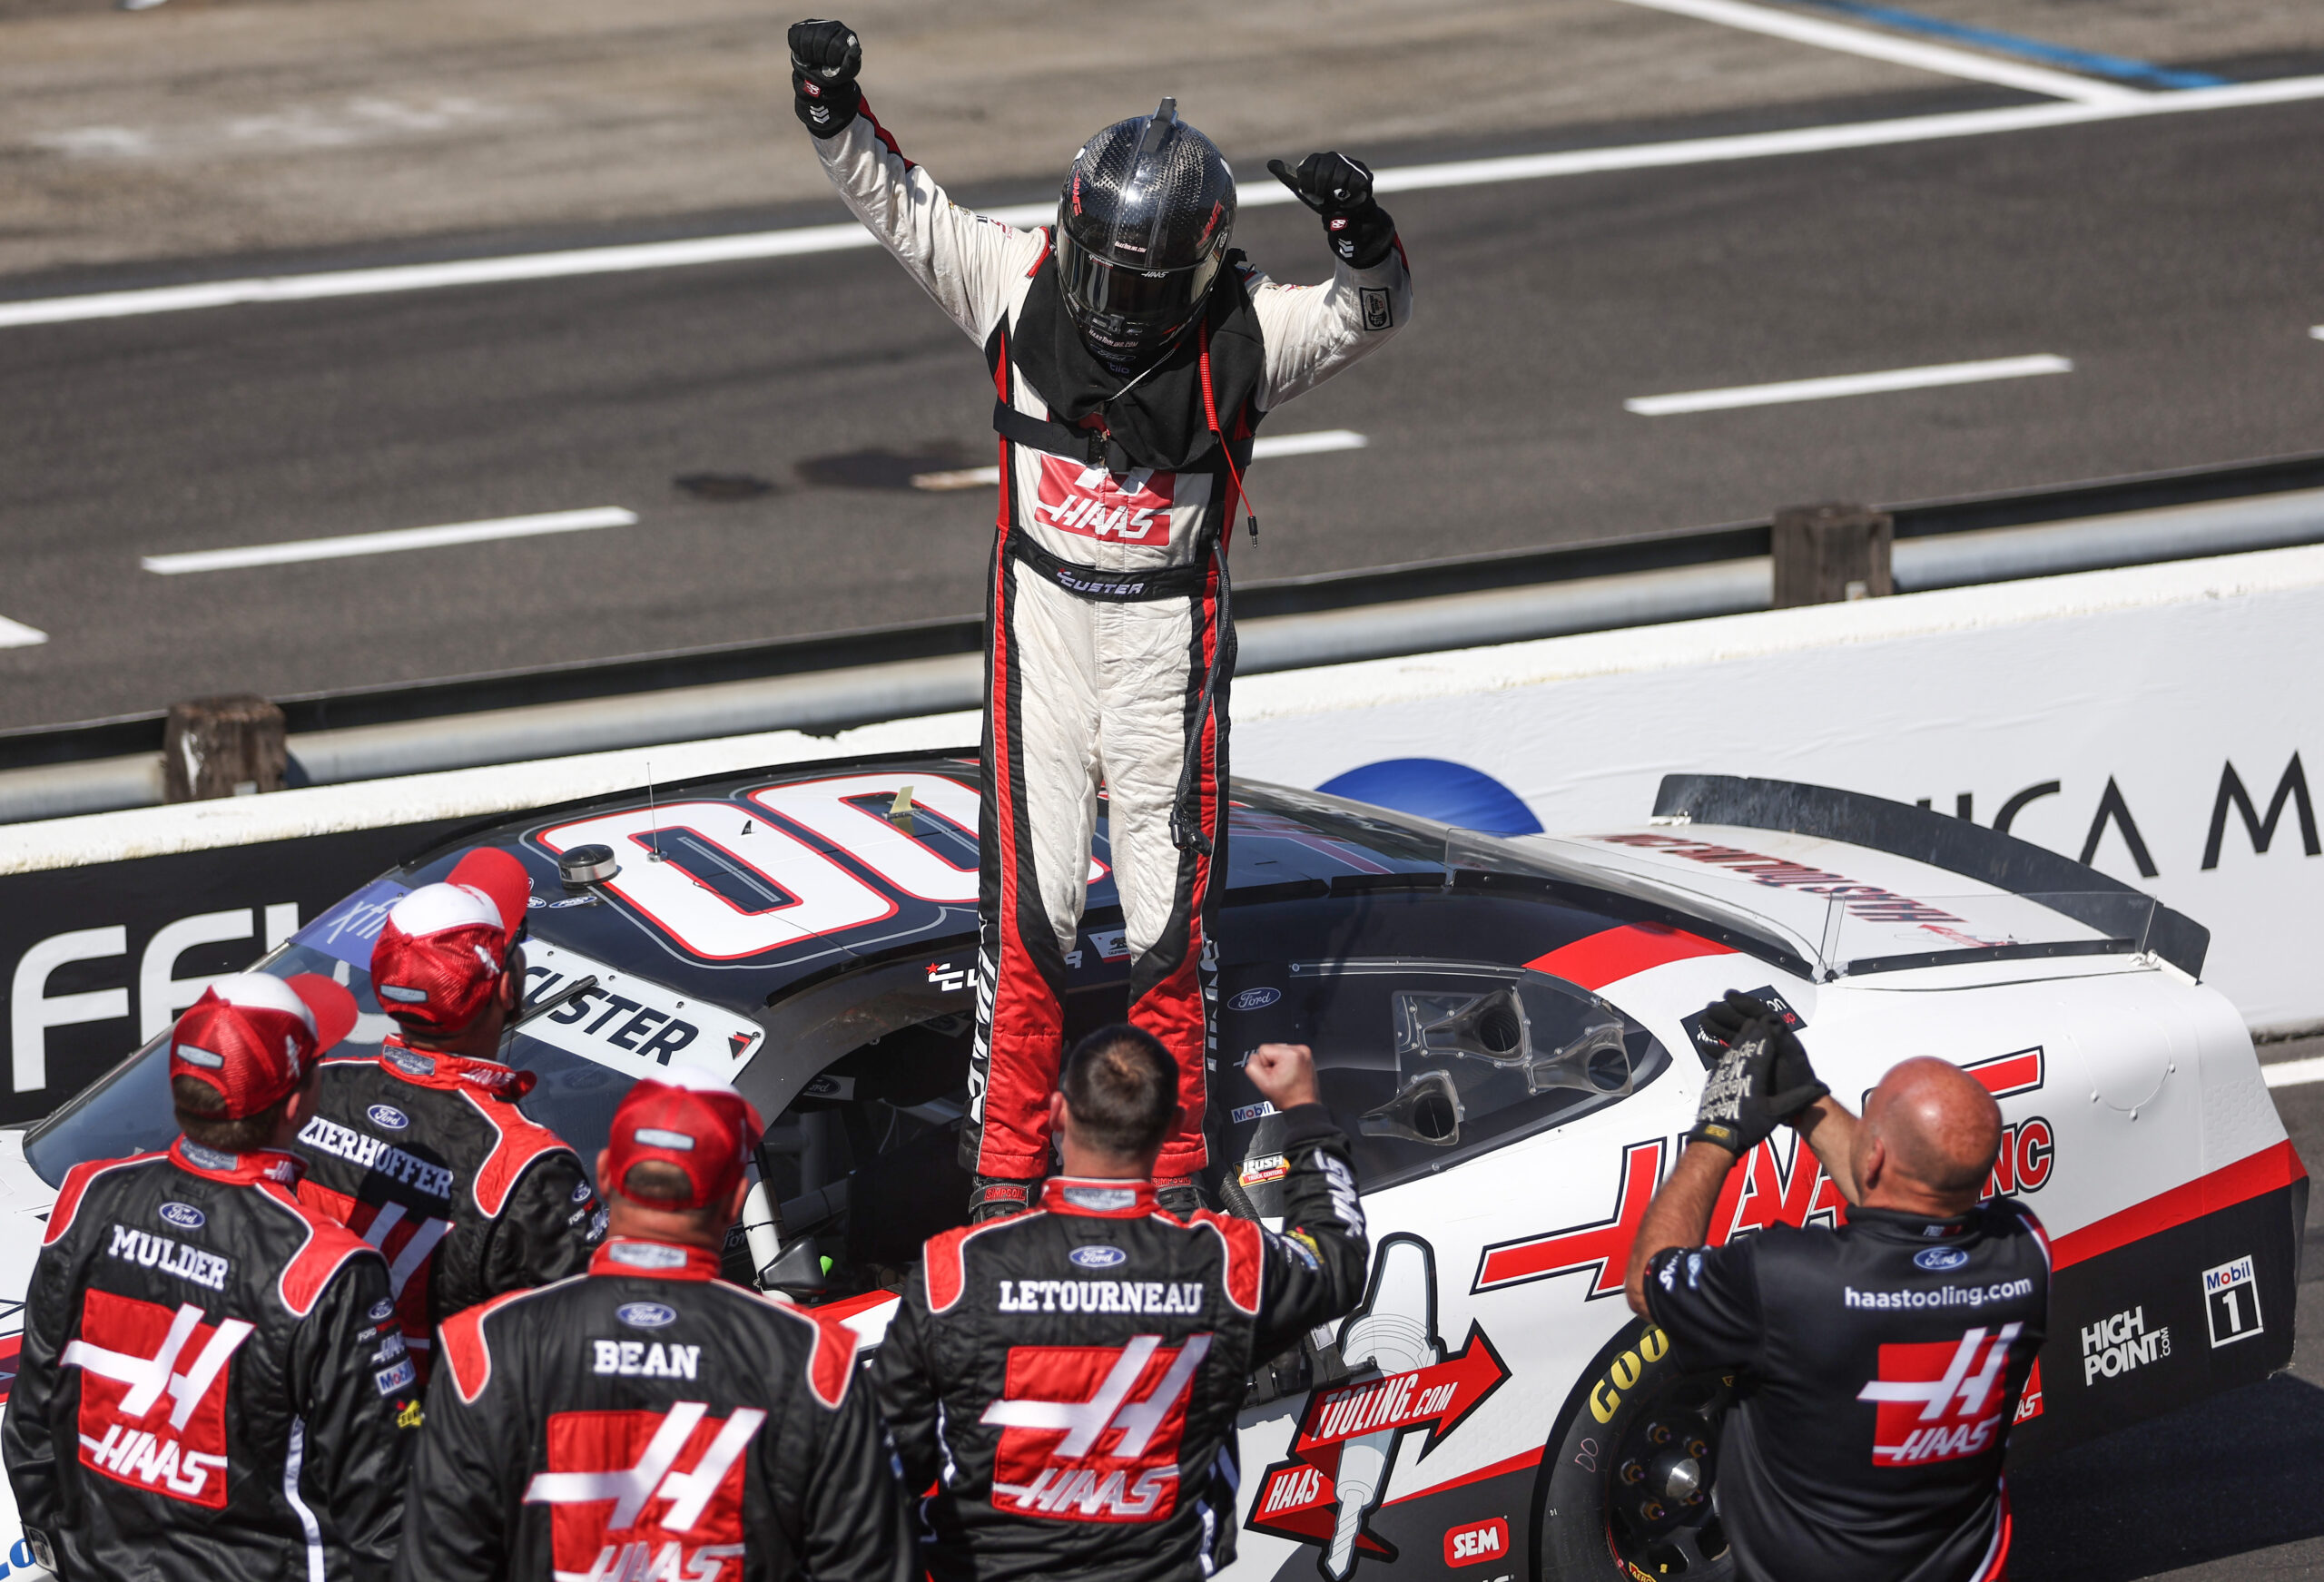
[{"x": 1124, "y": 306}]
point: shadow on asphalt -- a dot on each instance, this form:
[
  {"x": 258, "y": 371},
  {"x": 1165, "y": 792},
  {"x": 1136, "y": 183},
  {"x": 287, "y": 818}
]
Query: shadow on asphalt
[{"x": 2238, "y": 1473}]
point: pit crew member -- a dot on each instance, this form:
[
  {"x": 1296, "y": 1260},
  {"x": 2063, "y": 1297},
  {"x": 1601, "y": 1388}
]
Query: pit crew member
[
  {"x": 1067, "y": 1380},
  {"x": 648, "y": 1418},
  {"x": 1134, "y": 355},
  {"x": 1882, "y": 1362},
  {"x": 212, "y": 1383},
  {"x": 423, "y": 1149}
]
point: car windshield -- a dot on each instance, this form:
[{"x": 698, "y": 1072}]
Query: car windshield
[{"x": 588, "y": 1030}]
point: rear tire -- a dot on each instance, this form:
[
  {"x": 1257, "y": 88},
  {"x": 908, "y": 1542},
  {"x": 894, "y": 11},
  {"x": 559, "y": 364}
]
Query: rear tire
[{"x": 1626, "y": 1483}]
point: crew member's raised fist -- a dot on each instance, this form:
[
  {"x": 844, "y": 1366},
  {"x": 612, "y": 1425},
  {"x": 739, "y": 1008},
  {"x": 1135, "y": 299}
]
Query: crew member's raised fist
[
  {"x": 1285, "y": 1074},
  {"x": 825, "y": 58}
]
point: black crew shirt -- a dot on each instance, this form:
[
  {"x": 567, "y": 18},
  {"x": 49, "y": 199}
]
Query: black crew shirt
[{"x": 1880, "y": 1367}]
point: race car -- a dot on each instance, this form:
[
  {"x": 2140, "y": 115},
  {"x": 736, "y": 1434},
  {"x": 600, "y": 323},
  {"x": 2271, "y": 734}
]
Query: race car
[{"x": 1505, "y": 1026}]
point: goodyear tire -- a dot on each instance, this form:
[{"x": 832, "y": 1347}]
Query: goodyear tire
[{"x": 1625, "y": 1490}]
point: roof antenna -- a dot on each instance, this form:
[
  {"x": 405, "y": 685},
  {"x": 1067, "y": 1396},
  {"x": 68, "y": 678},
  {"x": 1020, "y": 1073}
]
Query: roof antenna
[
  {"x": 1159, "y": 129},
  {"x": 653, "y": 840}
]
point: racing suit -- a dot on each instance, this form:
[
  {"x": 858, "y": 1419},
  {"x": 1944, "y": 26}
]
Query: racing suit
[
  {"x": 1882, "y": 1365},
  {"x": 1110, "y": 645},
  {"x": 1068, "y": 1380},
  {"x": 429, "y": 1158},
  {"x": 649, "y": 1420},
  {"x": 212, "y": 1384}
]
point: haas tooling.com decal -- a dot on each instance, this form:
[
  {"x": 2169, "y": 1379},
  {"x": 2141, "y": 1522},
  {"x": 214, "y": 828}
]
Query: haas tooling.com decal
[{"x": 1346, "y": 1441}]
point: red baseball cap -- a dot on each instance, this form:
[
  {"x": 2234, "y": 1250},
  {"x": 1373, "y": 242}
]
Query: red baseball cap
[
  {"x": 445, "y": 946},
  {"x": 692, "y": 1120},
  {"x": 252, "y": 1035}
]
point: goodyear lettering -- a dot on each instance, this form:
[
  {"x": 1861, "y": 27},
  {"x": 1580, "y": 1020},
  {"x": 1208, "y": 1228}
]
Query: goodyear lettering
[
  {"x": 1624, "y": 1373},
  {"x": 374, "y": 1155},
  {"x": 148, "y": 1251},
  {"x": 646, "y": 1358},
  {"x": 1135, "y": 1296}
]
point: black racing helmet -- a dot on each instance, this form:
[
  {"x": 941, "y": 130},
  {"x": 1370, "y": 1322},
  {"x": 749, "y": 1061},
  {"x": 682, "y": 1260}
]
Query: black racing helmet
[{"x": 1142, "y": 227}]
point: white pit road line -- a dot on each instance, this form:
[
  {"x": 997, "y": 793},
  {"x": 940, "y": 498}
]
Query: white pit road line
[
  {"x": 1881, "y": 47},
  {"x": 1824, "y": 389},
  {"x": 2316, "y": 332},
  {"x": 986, "y": 477},
  {"x": 2294, "y": 1072},
  {"x": 814, "y": 239},
  {"x": 16, "y": 634},
  {"x": 388, "y": 543}
]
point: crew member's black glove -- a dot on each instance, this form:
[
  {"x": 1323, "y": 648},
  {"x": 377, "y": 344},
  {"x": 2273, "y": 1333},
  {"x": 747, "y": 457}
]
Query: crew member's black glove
[
  {"x": 1340, "y": 190},
  {"x": 1763, "y": 1079},
  {"x": 825, "y": 59}
]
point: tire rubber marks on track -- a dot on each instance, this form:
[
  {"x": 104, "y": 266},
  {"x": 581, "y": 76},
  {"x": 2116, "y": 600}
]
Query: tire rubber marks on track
[
  {"x": 814, "y": 239},
  {"x": 1824, "y": 389},
  {"x": 387, "y": 543}
]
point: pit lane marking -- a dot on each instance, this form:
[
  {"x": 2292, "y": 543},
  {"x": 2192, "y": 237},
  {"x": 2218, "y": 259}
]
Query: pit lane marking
[
  {"x": 2120, "y": 67},
  {"x": 1277, "y": 444},
  {"x": 2316, "y": 332},
  {"x": 390, "y": 542},
  {"x": 1824, "y": 389},
  {"x": 16, "y": 634},
  {"x": 2294, "y": 1072},
  {"x": 817, "y": 239},
  {"x": 1901, "y": 51}
]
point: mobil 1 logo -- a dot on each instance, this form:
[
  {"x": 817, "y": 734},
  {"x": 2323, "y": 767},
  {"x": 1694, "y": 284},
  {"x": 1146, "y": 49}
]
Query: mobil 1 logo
[{"x": 2231, "y": 1300}]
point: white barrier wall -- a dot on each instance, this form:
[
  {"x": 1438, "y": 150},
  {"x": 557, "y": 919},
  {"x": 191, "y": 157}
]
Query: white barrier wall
[{"x": 2149, "y": 720}]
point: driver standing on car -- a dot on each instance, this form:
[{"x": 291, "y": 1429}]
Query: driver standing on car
[
  {"x": 423, "y": 1150},
  {"x": 212, "y": 1384},
  {"x": 1133, "y": 355},
  {"x": 1881, "y": 1362}
]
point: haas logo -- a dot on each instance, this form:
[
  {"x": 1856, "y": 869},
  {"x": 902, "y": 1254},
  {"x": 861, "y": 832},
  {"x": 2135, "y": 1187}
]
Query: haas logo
[
  {"x": 1133, "y": 508},
  {"x": 1090, "y": 1433},
  {"x": 1939, "y": 1401},
  {"x": 153, "y": 1395},
  {"x": 608, "y": 1469}
]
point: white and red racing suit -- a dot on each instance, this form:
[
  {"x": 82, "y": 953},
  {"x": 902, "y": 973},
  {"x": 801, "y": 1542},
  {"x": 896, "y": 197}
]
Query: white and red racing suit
[{"x": 1110, "y": 644}]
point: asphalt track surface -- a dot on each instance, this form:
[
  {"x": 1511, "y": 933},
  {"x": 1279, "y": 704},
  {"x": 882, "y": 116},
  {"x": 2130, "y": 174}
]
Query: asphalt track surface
[
  {"x": 2171, "y": 258},
  {"x": 2232, "y": 1487}
]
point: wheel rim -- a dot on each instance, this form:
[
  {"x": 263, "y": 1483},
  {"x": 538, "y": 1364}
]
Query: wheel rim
[{"x": 1660, "y": 1515}]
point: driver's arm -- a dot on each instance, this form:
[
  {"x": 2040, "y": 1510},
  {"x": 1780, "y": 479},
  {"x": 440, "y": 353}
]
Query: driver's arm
[{"x": 968, "y": 264}]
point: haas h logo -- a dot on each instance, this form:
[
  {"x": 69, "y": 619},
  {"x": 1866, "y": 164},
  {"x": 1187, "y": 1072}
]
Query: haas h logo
[
  {"x": 608, "y": 1469},
  {"x": 1091, "y": 1433},
  {"x": 1939, "y": 1401},
  {"x": 138, "y": 1358}
]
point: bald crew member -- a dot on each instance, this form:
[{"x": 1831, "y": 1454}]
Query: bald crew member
[{"x": 1880, "y": 1364}]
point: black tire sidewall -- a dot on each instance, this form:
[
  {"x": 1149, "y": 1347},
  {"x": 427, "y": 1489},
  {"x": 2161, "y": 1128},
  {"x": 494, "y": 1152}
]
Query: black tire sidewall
[{"x": 1570, "y": 1530}]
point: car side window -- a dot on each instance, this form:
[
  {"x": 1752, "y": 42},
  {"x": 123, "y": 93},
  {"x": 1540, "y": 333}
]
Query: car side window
[{"x": 1424, "y": 1063}]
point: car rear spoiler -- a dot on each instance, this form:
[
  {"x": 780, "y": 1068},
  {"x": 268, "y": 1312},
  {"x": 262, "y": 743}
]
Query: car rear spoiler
[{"x": 1956, "y": 845}]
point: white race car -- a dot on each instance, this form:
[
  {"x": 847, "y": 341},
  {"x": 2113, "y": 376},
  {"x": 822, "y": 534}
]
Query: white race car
[{"x": 1505, "y": 1026}]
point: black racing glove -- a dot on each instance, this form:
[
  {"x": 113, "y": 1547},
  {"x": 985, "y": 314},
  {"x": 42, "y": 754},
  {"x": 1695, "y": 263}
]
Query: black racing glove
[
  {"x": 825, "y": 59},
  {"x": 1340, "y": 190},
  {"x": 1763, "y": 1079}
]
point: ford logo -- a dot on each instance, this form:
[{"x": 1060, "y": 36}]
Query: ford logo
[
  {"x": 388, "y": 1115},
  {"x": 184, "y": 1216},
  {"x": 1940, "y": 1258},
  {"x": 1254, "y": 999},
  {"x": 381, "y": 1311},
  {"x": 1099, "y": 1257},
  {"x": 645, "y": 1315}
]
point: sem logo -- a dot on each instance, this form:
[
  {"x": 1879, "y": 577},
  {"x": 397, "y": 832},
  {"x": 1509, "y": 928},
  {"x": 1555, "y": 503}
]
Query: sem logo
[
  {"x": 184, "y": 1215},
  {"x": 388, "y": 1115},
  {"x": 645, "y": 1315},
  {"x": 1254, "y": 999},
  {"x": 1938, "y": 1259},
  {"x": 1474, "y": 1543},
  {"x": 1099, "y": 1257}
]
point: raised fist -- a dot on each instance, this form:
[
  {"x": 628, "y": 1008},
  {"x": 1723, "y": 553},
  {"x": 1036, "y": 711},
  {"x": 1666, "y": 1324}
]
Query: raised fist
[
  {"x": 825, "y": 58},
  {"x": 1339, "y": 189}
]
